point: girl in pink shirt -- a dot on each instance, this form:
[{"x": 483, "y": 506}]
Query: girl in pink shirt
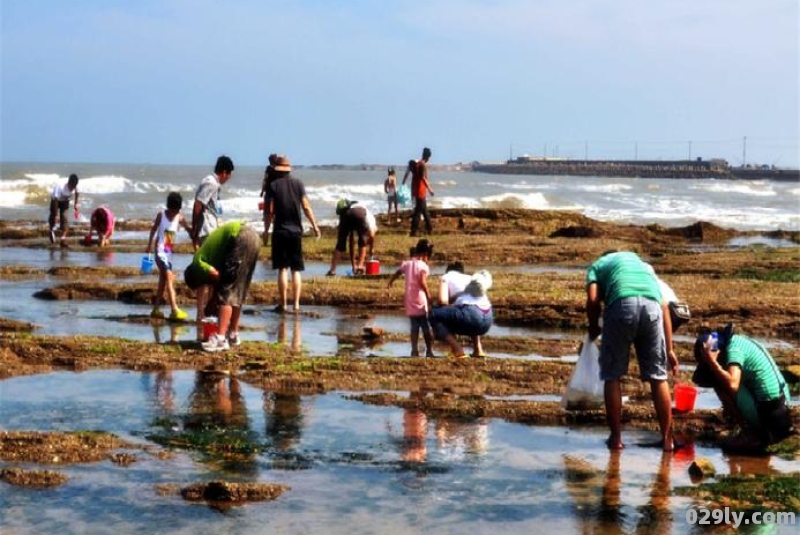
[{"x": 417, "y": 296}]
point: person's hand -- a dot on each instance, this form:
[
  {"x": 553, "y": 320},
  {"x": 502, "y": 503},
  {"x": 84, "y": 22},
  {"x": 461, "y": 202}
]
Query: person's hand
[
  {"x": 77, "y": 214},
  {"x": 673, "y": 361},
  {"x": 265, "y": 238},
  {"x": 317, "y": 232},
  {"x": 213, "y": 275}
]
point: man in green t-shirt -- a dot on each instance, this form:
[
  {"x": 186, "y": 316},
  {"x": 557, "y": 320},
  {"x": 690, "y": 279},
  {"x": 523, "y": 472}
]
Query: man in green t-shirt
[
  {"x": 749, "y": 385},
  {"x": 625, "y": 289},
  {"x": 225, "y": 264}
]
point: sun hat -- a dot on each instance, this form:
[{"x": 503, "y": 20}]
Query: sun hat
[{"x": 282, "y": 164}]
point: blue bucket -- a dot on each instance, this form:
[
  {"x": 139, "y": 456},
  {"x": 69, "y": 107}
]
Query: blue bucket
[
  {"x": 403, "y": 195},
  {"x": 147, "y": 265}
]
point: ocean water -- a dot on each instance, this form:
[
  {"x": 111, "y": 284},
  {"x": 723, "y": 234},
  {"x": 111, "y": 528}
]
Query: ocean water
[{"x": 138, "y": 191}]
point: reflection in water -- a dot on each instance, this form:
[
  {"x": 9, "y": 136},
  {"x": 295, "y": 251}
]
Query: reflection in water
[
  {"x": 105, "y": 257},
  {"x": 598, "y": 504},
  {"x": 415, "y": 433},
  {"x": 165, "y": 392},
  {"x": 457, "y": 439},
  {"x": 166, "y": 332},
  {"x": 284, "y": 419},
  {"x": 218, "y": 421},
  {"x": 297, "y": 341}
]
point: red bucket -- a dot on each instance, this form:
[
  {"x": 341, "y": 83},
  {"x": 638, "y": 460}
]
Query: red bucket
[
  {"x": 685, "y": 395},
  {"x": 373, "y": 267},
  {"x": 209, "y": 328},
  {"x": 261, "y": 206}
]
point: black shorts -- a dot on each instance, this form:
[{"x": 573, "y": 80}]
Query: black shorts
[
  {"x": 287, "y": 251},
  {"x": 237, "y": 272}
]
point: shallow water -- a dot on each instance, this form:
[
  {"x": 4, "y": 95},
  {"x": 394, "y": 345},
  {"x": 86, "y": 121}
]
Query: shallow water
[{"x": 481, "y": 476}]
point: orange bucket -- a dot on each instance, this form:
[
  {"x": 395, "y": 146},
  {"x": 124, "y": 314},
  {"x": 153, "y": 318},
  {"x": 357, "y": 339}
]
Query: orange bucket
[
  {"x": 373, "y": 267},
  {"x": 685, "y": 395},
  {"x": 209, "y": 328}
]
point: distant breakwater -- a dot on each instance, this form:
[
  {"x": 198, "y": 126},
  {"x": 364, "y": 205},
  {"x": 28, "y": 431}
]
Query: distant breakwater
[{"x": 641, "y": 169}]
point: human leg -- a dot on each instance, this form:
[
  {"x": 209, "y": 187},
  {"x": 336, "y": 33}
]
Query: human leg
[
  {"x": 414, "y": 337},
  {"x": 158, "y": 298},
  {"x": 651, "y": 353},
  {"x": 297, "y": 286},
  {"x": 415, "y": 215},
  {"x": 477, "y": 347},
  {"x": 51, "y": 220},
  {"x": 426, "y": 215},
  {"x": 426, "y": 331},
  {"x": 618, "y": 333},
  {"x": 612, "y": 393},
  {"x": 659, "y": 390},
  {"x": 283, "y": 281},
  {"x": 63, "y": 207},
  {"x": 224, "y": 322}
]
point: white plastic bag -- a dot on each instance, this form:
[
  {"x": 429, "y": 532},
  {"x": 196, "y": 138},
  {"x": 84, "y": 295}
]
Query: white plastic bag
[{"x": 585, "y": 388}]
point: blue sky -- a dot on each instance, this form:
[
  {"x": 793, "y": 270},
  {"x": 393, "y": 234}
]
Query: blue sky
[{"x": 325, "y": 81}]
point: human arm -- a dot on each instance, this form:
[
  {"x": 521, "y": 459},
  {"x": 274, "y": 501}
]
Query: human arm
[
  {"x": 310, "y": 216},
  {"x": 407, "y": 173},
  {"x": 728, "y": 379},
  {"x": 269, "y": 215},
  {"x": 394, "y": 277},
  {"x": 153, "y": 231},
  {"x": 424, "y": 178},
  {"x": 593, "y": 309},
  {"x": 444, "y": 292},
  {"x": 352, "y": 252},
  {"x": 185, "y": 225},
  {"x": 76, "y": 214},
  {"x": 671, "y": 356},
  {"x": 423, "y": 284},
  {"x": 197, "y": 222}
]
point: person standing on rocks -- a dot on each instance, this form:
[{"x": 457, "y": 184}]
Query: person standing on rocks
[
  {"x": 59, "y": 203},
  {"x": 624, "y": 288},
  {"x": 420, "y": 186},
  {"x": 286, "y": 198},
  {"x": 207, "y": 209}
]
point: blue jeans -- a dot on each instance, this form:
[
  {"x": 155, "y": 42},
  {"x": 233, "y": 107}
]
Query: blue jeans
[{"x": 467, "y": 320}]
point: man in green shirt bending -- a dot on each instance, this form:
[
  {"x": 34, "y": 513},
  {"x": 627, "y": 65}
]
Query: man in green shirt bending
[
  {"x": 225, "y": 264},
  {"x": 632, "y": 314}
]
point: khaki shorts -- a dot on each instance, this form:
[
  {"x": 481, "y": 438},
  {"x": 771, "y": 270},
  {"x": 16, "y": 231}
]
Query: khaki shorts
[{"x": 237, "y": 272}]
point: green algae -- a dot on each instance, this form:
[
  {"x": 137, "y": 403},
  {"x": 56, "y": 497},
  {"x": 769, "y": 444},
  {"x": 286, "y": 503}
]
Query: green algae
[{"x": 775, "y": 492}]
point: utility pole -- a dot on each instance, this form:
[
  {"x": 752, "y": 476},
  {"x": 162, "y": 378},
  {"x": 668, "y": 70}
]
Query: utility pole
[
  {"x": 744, "y": 151},
  {"x": 690, "y": 150},
  {"x": 585, "y": 150},
  {"x": 510, "y": 152}
]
